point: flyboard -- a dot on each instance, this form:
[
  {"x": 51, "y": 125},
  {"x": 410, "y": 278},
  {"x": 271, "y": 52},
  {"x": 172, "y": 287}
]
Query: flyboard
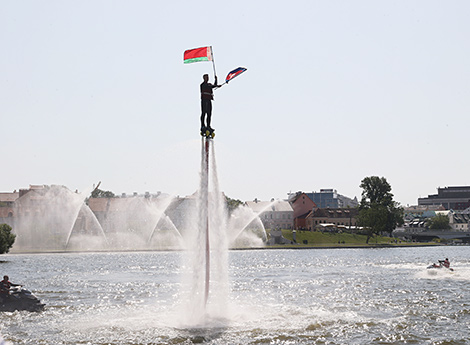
[{"x": 208, "y": 132}]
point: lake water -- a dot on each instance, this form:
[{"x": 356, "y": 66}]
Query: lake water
[{"x": 319, "y": 296}]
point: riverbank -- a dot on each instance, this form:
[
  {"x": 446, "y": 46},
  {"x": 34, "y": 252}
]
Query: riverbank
[
  {"x": 267, "y": 247},
  {"x": 328, "y": 240},
  {"x": 303, "y": 240},
  {"x": 345, "y": 246}
]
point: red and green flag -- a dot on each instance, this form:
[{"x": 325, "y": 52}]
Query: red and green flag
[{"x": 198, "y": 54}]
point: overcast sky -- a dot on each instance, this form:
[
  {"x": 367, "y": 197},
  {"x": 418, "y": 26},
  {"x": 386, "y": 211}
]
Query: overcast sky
[{"x": 335, "y": 91}]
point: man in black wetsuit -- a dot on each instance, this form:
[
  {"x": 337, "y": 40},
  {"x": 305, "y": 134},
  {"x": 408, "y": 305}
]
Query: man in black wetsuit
[{"x": 207, "y": 95}]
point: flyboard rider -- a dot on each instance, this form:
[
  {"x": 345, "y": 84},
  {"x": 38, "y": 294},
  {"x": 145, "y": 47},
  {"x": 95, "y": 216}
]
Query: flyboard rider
[{"x": 207, "y": 95}]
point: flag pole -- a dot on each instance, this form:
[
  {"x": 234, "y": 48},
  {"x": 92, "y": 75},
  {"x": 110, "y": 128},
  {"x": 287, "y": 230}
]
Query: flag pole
[{"x": 213, "y": 62}]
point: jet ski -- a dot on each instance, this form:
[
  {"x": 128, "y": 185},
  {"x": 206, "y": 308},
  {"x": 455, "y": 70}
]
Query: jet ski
[
  {"x": 439, "y": 266},
  {"x": 20, "y": 299}
]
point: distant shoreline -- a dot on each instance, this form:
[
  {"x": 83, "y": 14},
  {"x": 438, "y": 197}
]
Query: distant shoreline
[
  {"x": 346, "y": 246},
  {"x": 282, "y": 247}
]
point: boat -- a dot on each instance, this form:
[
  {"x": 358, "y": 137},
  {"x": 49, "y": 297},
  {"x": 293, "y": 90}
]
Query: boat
[{"x": 21, "y": 299}]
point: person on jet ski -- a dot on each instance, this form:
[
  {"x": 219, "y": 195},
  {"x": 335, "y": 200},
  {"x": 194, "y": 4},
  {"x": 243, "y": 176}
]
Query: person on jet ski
[
  {"x": 5, "y": 286},
  {"x": 445, "y": 263}
]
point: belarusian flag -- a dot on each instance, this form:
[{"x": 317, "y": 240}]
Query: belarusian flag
[{"x": 198, "y": 54}]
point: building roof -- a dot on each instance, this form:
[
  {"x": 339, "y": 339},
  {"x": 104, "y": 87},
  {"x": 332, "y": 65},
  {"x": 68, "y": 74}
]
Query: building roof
[
  {"x": 295, "y": 196},
  {"x": 461, "y": 218},
  {"x": 304, "y": 216},
  {"x": 335, "y": 212},
  {"x": 9, "y": 197},
  {"x": 422, "y": 208}
]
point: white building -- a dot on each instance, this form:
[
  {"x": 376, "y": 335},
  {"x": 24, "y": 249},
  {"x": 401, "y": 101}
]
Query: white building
[{"x": 275, "y": 214}]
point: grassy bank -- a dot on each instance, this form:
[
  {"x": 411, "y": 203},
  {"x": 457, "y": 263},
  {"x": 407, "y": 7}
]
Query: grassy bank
[{"x": 328, "y": 239}]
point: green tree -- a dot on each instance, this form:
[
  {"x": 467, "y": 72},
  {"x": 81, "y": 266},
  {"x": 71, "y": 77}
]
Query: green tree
[
  {"x": 378, "y": 212},
  {"x": 6, "y": 238},
  {"x": 232, "y": 204},
  {"x": 439, "y": 222},
  {"x": 98, "y": 193}
]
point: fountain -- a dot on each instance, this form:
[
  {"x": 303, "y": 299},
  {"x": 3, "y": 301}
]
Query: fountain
[
  {"x": 57, "y": 219},
  {"x": 53, "y": 218},
  {"x": 137, "y": 223},
  {"x": 246, "y": 229},
  {"x": 47, "y": 216}
]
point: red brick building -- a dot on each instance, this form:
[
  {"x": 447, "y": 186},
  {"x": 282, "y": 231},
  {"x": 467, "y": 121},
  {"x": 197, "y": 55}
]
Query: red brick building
[
  {"x": 302, "y": 206},
  {"x": 336, "y": 218}
]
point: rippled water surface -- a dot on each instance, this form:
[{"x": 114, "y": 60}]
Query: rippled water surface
[{"x": 322, "y": 296}]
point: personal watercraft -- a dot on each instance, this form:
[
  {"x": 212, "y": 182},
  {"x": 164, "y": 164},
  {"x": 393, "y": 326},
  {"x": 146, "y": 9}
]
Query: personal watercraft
[
  {"x": 439, "y": 266},
  {"x": 20, "y": 299}
]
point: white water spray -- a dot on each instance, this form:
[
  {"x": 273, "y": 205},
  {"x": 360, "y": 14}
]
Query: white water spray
[{"x": 207, "y": 248}]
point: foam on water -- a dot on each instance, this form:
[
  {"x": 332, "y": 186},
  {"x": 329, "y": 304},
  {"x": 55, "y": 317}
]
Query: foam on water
[{"x": 459, "y": 273}]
